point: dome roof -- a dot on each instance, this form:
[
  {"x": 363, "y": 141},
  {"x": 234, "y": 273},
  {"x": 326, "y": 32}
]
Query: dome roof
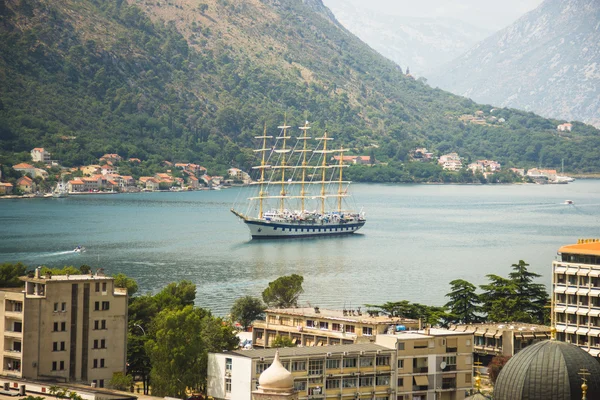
[
  {"x": 548, "y": 370},
  {"x": 477, "y": 396},
  {"x": 276, "y": 377}
]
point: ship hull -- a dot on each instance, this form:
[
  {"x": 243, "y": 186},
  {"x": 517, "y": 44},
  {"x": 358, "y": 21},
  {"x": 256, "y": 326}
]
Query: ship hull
[{"x": 282, "y": 230}]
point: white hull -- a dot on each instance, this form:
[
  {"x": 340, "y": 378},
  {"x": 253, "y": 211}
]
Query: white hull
[{"x": 282, "y": 230}]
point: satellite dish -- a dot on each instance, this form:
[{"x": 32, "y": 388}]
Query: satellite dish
[{"x": 443, "y": 365}]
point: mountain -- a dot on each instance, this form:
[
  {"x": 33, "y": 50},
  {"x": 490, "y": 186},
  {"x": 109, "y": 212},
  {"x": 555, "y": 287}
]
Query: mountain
[
  {"x": 186, "y": 81},
  {"x": 422, "y": 44},
  {"x": 547, "y": 62}
]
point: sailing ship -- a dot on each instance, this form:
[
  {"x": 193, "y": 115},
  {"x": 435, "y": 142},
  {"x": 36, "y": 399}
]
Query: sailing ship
[
  {"x": 60, "y": 191},
  {"x": 299, "y": 193}
]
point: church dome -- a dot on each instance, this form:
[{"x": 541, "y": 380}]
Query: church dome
[
  {"x": 276, "y": 377},
  {"x": 548, "y": 370}
]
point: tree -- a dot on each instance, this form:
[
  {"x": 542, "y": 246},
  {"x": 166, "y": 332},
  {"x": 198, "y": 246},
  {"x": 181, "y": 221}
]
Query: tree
[
  {"x": 123, "y": 281},
  {"x": 121, "y": 381},
  {"x": 498, "y": 299},
  {"x": 176, "y": 295},
  {"x": 283, "y": 341},
  {"x": 10, "y": 273},
  {"x": 495, "y": 366},
  {"x": 247, "y": 309},
  {"x": 284, "y": 291},
  {"x": 463, "y": 302},
  {"x": 182, "y": 339},
  {"x": 531, "y": 298},
  {"x": 85, "y": 269}
]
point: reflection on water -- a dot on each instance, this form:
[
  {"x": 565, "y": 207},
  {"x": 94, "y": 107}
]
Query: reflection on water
[{"x": 417, "y": 239}]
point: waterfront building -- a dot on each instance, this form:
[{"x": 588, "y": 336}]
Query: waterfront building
[
  {"x": 576, "y": 295},
  {"x": 424, "y": 365},
  {"x": 313, "y": 326},
  {"x": 68, "y": 328},
  {"x": 507, "y": 339},
  {"x": 39, "y": 154}
]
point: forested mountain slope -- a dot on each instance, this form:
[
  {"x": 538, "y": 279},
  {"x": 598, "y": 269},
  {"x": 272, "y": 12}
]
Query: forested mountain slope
[{"x": 188, "y": 81}]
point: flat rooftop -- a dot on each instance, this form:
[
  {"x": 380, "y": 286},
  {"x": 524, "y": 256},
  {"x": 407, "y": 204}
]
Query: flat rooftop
[
  {"x": 86, "y": 277},
  {"x": 497, "y": 327},
  {"x": 311, "y": 350},
  {"x": 591, "y": 248},
  {"x": 338, "y": 315}
]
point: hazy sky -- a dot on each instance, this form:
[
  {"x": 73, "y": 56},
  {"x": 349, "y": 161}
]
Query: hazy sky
[{"x": 491, "y": 14}]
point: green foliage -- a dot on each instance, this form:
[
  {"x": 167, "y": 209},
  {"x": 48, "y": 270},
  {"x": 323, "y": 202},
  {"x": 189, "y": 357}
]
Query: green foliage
[
  {"x": 431, "y": 315},
  {"x": 178, "y": 350},
  {"x": 123, "y": 281},
  {"x": 120, "y": 381},
  {"x": 283, "y": 341},
  {"x": 464, "y": 302},
  {"x": 10, "y": 273},
  {"x": 66, "y": 270},
  {"x": 176, "y": 295},
  {"x": 187, "y": 92},
  {"x": 284, "y": 291},
  {"x": 30, "y": 397},
  {"x": 247, "y": 309}
]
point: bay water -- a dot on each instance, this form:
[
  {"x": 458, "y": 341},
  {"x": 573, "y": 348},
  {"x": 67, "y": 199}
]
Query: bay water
[{"x": 417, "y": 239}]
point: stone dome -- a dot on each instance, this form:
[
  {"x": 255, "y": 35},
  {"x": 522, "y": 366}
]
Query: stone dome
[
  {"x": 548, "y": 370},
  {"x": 276, "y": 378}
]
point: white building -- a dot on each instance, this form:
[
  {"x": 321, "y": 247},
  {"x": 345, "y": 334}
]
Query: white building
[{"x": 40, "y": 155}]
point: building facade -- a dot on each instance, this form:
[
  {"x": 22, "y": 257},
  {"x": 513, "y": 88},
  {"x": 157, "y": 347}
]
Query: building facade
[
  {"x": 576, "y": 295},
  {"x": 65, "y": 328},
  {"x": 428, "y": 365},
  {"x": 312, "y": 326}
]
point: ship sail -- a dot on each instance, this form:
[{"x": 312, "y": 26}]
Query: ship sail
[{"x": 295, "y": 186}]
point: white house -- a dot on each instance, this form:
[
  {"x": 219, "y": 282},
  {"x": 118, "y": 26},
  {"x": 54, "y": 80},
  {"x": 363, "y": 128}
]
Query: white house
[{"x": 40, "y": 155}]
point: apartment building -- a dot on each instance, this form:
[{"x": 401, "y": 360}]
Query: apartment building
[
  {"x": 68, "y": 328},
  {"x": 312, "y": 326},
  {"x": 493, "y": 339},
  {"x": 576, "y": 295},
  {"x": 424, "y": 365}
]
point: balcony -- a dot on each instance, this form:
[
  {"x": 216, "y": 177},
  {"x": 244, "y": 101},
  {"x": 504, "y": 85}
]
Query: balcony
[{"x": 420, "y": 370}]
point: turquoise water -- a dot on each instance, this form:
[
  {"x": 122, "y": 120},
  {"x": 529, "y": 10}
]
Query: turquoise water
[{"x": 417, "y": 239}]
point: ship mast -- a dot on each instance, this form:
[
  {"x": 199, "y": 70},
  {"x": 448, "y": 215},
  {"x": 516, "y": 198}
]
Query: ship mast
[
  {"x": 262, "y": 167},
  {"x": 283, "y": 163},
  {"x": 323, "y": 167},
  {"x": 305, "y": 128},
  {"x": 340, "y": 179}
]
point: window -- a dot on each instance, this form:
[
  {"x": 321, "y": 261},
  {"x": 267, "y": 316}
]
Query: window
[
  {"x": 349, "y": 382},
  {"x": 299, "y": 366},
  {"x": 350, "y": 363},
  {"x": 300, "y": 386},
  {"x": 103, "y": 324},
  {"x": 55, "y": 328},
  {"x": 97, "y": 286},
  {"x": 54, "y": 365},
  {"x": 468, "y": 342},
  {"x": 96, "y": 306},
  {"x": 400, "y": 382},
  {"x": 96, "y": 324},
  {"x": 366, "y": 361},
  {"x": 272, "y": 319},
  {"x": 55, "y": 307},
  {"x": 62, "y": 366},
  {"x": 54, "y": 346},
  {"x": 102, "y": 363},
  {"x": 104, "y": 286},
  {"x": 382, "y": 380},
  {"x": 350, "y": 328},
  {"x": 400, "y": 364},
  {"x": 383, "y": 360},
  {"x": 336, "y": 327},
  {"x": 228, "y": 364},
  {"x": 18, "y": 327},
  {"x": 95, "y": 344},
  {"x": 18, "y": 307},
  {"x": 467, "y": 378},
  {"x": 315, "y": 367},
  {"x": 62, "y": 346},
  {"x": 63, "y": 307},
  {"x": 310, "y": 323},
  {"x": 366, "y": 381},
  {"x": 261, "y": 366},
  {"x": 95, "y": 363},
  {"x": 63, "y": 326},
  {"x": 101, "y": 383},
  {"x": 105, "y": 305},
  {"x": 400, "y": 345},
  {"x": 333, "y": 383},
  {"x": 102, "y": 343},
  {"x": 227, "y": 385},
  {"x": 323, "y": 325},
  {"x": 333, "y": 364},
  {"x": 422, "y": 344},
  {"x": 367, "y": 331}
]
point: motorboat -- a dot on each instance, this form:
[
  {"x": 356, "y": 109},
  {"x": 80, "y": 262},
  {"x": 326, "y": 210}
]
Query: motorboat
[
  {"x": 79, "y": 249},
  {"x": 568, "y": 202}
]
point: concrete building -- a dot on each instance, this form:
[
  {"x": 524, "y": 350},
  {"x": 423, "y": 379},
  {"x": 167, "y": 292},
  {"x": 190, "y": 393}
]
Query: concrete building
[
  {"x": 39, "y": 154},
  {"x": 312, "y": 326},
  {"x": 490, "y": 340},
  {"x": 425, "y": 365},
  {"x": 576, "y": 295},
  {"x": 64, "y": 328}
]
